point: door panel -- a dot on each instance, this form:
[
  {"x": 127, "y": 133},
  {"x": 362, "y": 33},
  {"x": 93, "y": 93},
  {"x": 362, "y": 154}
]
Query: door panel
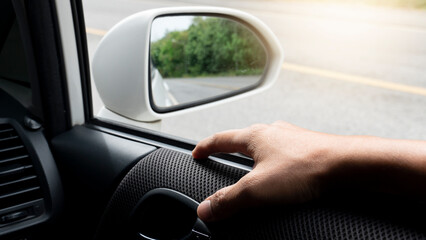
[
  {"x": 362, "y": 217},
  {"x": 100, "y": 157},
  {"x": 91, "y": 164}
]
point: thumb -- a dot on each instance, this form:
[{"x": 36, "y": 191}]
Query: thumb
[{"x": 222, "y": 204}]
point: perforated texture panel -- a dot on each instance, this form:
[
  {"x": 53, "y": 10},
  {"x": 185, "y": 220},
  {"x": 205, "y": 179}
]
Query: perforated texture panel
[{"x": 198, "y": 179}]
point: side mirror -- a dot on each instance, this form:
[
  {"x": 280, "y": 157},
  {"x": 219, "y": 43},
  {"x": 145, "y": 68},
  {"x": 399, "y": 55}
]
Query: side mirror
[{"x": 169, "y": 61}]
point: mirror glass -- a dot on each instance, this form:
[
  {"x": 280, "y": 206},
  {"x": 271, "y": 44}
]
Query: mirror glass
[{"x": 199, "y": 58}]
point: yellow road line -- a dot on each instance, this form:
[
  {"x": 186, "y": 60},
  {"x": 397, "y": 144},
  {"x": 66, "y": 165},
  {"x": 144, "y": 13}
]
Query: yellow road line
[
  {"x": 97, "y": 32},
  {"x": 172, "y": 98},
  {"x": 355, "y": 79}
]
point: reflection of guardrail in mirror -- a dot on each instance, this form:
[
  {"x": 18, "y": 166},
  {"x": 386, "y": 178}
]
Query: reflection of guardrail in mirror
[{"x": 199, "y": 57}]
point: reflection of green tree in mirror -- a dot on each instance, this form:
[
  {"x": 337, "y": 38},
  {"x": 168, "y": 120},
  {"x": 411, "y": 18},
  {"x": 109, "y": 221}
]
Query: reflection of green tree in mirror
[{"x": 211, "y": 46}]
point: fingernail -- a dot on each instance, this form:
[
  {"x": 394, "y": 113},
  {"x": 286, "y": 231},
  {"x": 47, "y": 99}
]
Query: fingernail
[
  {"x": 194, "y": 154},
  {"x": 205, "y": 211}
]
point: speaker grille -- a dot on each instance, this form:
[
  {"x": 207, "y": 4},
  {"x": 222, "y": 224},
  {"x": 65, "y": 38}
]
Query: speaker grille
[{"x": 170, "y": 169}]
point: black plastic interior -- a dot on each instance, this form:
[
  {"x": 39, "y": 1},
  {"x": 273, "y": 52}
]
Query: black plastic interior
[
  {"x": 39, "y": 187},
  {"x": 92, "y": 164}
]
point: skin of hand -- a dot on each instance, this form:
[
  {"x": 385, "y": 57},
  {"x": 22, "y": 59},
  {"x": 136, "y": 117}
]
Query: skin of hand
[{"x": 295, "y": 165}]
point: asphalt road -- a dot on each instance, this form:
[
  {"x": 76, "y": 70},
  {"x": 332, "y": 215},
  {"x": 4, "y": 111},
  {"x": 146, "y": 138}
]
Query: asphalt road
[
  {"x": 186, "y": 90},
  {"x": 348, "y": 70}
]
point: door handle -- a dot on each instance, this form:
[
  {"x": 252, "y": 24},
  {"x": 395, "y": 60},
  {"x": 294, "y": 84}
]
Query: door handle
[{"x": 167, "y": 214}]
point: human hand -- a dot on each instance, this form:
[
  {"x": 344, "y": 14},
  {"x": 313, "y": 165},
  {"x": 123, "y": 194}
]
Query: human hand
[{"x": 289, "y": 164}]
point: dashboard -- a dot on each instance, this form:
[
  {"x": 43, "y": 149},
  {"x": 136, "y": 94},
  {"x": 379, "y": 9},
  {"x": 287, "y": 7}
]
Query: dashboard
[{"x": 30, "y": 186}]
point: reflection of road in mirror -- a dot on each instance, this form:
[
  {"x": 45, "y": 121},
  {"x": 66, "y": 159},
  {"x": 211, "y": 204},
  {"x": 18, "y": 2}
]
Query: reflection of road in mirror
[{"x": 183, "y": 90}]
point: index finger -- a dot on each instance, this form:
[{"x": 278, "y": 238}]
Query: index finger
[{"x": 230, "y": 141}]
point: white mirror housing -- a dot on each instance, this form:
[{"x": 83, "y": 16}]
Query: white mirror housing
[{"x": 120, "y": 66}]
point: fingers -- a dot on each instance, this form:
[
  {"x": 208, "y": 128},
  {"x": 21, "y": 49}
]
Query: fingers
[
  {"x": 224, "y": 203},
  {"x": 227, "y": 142}
]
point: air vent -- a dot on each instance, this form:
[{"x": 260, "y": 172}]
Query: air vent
[{"x": 18, "y": 180}]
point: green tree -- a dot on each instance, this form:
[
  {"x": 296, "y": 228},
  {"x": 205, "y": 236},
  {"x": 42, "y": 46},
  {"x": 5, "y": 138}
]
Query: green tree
[{"x": 210, "y": 46}]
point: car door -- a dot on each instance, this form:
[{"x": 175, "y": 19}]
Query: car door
[{"x": 126, "y": 182}]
